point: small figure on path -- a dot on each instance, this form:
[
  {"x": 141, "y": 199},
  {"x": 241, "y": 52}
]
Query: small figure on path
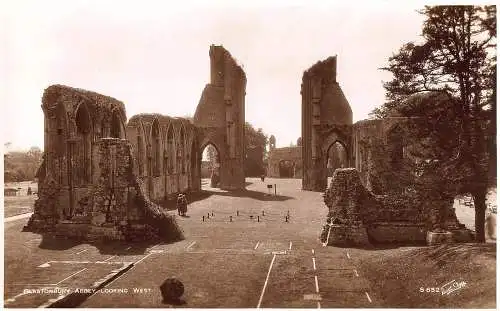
[
  {"x": 29, "y": 191},
  {"x": 181, "y": 204},
  {"x": 262, "y": 177}
]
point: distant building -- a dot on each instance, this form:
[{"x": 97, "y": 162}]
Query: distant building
[
  {"x": 10, "y": 192},
  {"x": 285, "y": 162}
]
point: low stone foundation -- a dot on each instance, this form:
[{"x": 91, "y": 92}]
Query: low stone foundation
[
  {"x": 434, "y": 238},
  {"x": 462, "y": 235},
  {"x": 347, "y": 235},
  {"x": 397, "y": 232},
  {"x": 358, "y": 217}
]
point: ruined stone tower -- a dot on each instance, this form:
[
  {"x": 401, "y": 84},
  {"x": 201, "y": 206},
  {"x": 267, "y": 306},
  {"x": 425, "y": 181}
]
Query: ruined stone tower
[
  {"x": 220, "y": 116},
  {"x": 326, "y": 119}
]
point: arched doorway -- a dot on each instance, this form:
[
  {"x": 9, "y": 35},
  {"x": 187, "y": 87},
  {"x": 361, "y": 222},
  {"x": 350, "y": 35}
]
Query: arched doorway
[
  {"x": 336, "y": 157},
  {"x": 286, "y": 168},
  {"x": 210, "y": 167}
]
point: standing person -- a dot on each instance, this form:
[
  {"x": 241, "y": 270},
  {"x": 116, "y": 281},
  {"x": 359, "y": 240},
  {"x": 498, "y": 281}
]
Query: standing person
[
  {"x": 179, "y": 204},
  {"x": 184, "y": 205}
]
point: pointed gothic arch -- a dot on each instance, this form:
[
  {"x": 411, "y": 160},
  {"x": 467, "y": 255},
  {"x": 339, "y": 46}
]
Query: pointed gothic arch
[
  {"x": 169, "y": 150},
  {"x": 117, "y": 128},
  {"x": 141, "y": 144},
  {"x": 156, "y": 148},
  {"x": 181, "y": 150},
  {"x": 81, "y": 151}
]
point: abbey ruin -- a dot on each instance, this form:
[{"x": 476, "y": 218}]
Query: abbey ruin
[
  {"x": 365, "y": 205},
  {"x": 102, "y": 175}
]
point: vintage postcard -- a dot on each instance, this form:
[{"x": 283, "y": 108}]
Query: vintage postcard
[{"x": 213, "y": 154}]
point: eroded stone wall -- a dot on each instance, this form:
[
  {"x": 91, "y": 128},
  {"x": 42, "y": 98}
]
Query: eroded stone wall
[
  {"x": 220, "y": 116},
  {"x": 356, "y": 216},
  {"x": 326, "y": 119},
  {"x": 87, "y": 184},
  {"x": 166, "y": 154}
]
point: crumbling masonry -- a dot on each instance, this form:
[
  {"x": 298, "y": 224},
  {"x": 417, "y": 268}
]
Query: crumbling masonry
[
  {"x": 101, "y": 176},
  {"x": 361, "y": 208}
]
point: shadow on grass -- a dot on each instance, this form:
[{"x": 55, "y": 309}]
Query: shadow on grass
[
  {"x": 257, "y": 195},
  {"x": 171, "y": 204},
  {"x": 105, "y": 247},
  {"x": 382, "y": 246},
  {"x": 175, "y": 302}
]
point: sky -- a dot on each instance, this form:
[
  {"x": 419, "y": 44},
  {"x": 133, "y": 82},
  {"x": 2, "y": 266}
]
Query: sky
[{"x": 154, "y": 56}]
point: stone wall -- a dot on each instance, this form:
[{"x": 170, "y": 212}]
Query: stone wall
[
  {"x": 292, "y": 154},
  {"x": 220, "y": 116},
  {"x": 166, "y": 154},
  {"x": 326, "y": 118},
  {"x": 93, "y": 192},
  {"x": 357, "y": 216}
]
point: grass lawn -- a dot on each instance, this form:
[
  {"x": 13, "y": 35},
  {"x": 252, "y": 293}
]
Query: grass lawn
[
  {"x": 397, "y": 276},
  {"x": 226, "y": 261},
  {"x": 18, "y": 205}
]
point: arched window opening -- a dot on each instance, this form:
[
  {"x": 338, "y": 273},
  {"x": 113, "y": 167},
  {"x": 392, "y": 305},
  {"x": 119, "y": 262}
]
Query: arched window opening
[
  {"x": 116, "y": 125},
  {"x": 395, "y": 141},
  {"x": 140, "y": 154},
  {"x": 169, "y": 153},
  {"x": 60, "y": 144},
  {"x": 181, "y": 153},
  {"x": 155, "y": 148},
  {"x": 82, "y": 149},
  {"x": 61, "y": 131}
]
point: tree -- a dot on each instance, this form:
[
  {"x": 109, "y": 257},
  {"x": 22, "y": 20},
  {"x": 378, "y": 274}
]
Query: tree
[
  {"x": 211, "y": 153},
  {"x": 255, "y": 150},
  {"x": 456, "y": 58},
  {"x": 21, "y": 166}
]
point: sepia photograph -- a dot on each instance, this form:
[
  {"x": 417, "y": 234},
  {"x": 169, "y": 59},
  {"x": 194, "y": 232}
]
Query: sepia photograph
[{"x": 261, "y": 154}]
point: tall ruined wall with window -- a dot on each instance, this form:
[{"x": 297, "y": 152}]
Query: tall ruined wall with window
[
  {"x": 326, "y": 119},
  {"x": 88, "y": 186},
  {"x": 167, "y": 155},
  {"x": 74, "y": 120},
  {"x": 220, "y": 116}
]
